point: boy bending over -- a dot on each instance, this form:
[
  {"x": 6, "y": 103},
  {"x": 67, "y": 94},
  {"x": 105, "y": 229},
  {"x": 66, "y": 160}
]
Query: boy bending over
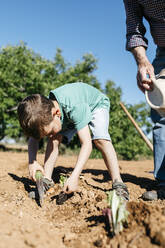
[{"x": 72, "y": 108}]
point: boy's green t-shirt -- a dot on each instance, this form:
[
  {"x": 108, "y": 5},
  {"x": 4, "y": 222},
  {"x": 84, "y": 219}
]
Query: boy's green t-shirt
[{"x": 77, "y": 101}]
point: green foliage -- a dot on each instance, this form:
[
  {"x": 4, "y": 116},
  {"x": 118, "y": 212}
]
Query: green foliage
[
  {"x": 21, "y": 74},
  {"x": 63, "y": 179},
  {"x": 38, "y": 175}
]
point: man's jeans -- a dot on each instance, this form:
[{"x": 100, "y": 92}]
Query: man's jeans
[{"x": 159, "y": 127}]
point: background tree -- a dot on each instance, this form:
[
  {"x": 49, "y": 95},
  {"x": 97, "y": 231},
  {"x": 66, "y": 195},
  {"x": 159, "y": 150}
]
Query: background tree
[{"x": 21, "y": 73}]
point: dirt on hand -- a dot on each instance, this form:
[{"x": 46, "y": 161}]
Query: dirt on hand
[{"x": 78, "y": 221}]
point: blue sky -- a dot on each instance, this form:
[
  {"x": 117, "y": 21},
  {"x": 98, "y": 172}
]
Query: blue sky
[{"x": 77, "y": 27}]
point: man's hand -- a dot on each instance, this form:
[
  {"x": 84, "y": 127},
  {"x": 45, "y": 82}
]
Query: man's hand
[
  {"x": 71, "y": 185},
  {"x": 145, "y": 74},
  {"x": 33, "y": 168}
]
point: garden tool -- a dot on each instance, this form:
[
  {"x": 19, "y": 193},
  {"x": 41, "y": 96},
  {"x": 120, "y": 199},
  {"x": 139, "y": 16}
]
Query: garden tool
[{"x": 40, "y": 186}]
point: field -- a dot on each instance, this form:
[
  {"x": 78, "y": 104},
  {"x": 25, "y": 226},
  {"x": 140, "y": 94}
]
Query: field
[{"x": 79, "y": 221}]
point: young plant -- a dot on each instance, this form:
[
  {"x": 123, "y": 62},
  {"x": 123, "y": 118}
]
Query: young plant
[
  {"x": 62, "y": 197},
  {"x": 116, "y": 212},
  {"x": 62, "y": 180}
]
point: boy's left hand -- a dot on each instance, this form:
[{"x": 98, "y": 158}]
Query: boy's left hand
[{"x": 71, "y": 185}]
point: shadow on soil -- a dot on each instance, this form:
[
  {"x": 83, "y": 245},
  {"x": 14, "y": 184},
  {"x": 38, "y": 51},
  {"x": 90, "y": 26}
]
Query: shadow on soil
[
  {"x": 29, "y": 185},
  {"x": 143, "y": 182},
  {"x": 97, "y": 220}
]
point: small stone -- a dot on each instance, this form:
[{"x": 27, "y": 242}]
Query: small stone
[
  {"x": 50, "y": 191},
  {"x": 98, "y": 243},
  {"x": 61, "y": 198},
  {"x": 99, "y": 198},
  {"x": 69, "y": 236}
]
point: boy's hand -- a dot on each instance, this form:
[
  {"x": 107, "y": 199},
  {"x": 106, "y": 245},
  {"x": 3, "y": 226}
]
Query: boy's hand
[
  {"x": 71, "y": 185},
  {"x": 33, "y": 168}
]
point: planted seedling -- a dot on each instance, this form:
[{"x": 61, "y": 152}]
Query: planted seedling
[
  {"x": 62, "y": 180},
  {"x": 62, "y": 197},
  {"x": 116, "y": 212}
]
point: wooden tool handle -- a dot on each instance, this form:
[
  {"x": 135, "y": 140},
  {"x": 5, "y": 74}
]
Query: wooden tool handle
[{"x": 137, "y": 127}]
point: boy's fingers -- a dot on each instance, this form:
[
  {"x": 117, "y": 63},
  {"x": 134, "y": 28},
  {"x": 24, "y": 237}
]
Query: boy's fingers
[
  {"x": 67, "y": 190},
  {"x": 33, "y": 177},
  {"x": 43, "y": 172}
]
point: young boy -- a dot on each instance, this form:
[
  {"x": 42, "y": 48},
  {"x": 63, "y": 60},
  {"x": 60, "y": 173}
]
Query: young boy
[{"x": 72, "y": 108}]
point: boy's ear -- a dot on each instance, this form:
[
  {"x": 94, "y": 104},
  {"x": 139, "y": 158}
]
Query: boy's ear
[{"x": 56, "y": 111}]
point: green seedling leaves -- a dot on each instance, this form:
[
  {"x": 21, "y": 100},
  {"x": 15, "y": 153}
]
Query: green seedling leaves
[
  {"x": 38, "y": 175},
  {"x": 116, "y": 212},
  {"x": 62, "y": 197},
  {"x": 62, "y": 180}
]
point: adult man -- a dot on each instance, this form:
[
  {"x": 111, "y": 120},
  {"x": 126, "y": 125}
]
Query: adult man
[{"x": 154, "y": 12}]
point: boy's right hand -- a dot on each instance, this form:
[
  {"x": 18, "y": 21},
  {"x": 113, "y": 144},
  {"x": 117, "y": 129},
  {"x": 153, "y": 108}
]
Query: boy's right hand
[
  {"x": 33, "y": 168},
  {"x": 71, "y": 185}
]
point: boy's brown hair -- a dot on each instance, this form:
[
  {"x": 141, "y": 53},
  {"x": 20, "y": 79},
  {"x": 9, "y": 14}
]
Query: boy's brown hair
[{"x": 34, "y": 113}]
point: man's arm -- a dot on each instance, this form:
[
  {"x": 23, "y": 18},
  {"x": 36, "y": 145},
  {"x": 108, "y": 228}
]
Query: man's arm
[
  {"x": 32, "y": 154},
  {"x": 134, "y": 24},
  {"x": 145, "y": 72},
  {"x": 86, "y": 148},
  {"x": 137, "y": 44}
]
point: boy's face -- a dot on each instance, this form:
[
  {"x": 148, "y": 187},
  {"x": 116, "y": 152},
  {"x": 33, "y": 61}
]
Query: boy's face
[{"x": 54, "y": 127}]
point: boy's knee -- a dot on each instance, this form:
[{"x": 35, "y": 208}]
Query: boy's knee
[{"x": 100, "y": 142}]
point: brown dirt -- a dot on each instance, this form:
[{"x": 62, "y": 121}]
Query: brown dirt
[{"x": 79, "y": 221}]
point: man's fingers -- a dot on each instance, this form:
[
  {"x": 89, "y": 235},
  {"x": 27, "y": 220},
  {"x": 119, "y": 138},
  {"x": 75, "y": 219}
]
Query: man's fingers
[{"x": 146, "y": 84}]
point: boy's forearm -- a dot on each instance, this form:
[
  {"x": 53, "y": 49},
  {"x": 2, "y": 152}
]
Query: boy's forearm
[
  {"x": 82, "y": 159},
  {"x": 32, "y": 149},
  {"x": 51, "y": 155}
]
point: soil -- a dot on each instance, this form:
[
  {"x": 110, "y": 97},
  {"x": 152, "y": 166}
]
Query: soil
[{"x": 79, "y": 221}]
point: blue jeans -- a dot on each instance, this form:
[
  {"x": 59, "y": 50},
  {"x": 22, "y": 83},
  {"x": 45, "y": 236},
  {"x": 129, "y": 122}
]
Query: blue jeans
[{"x": 159, "y": 126}]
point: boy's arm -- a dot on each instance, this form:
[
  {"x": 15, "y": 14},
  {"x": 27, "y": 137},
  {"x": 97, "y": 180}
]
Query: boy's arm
[
  {"x": 32, "y": 149},
  {"x": 86, "y": 148},
  {"x": 51, "y": 155},
  {"x": 32, "y": 154}
]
